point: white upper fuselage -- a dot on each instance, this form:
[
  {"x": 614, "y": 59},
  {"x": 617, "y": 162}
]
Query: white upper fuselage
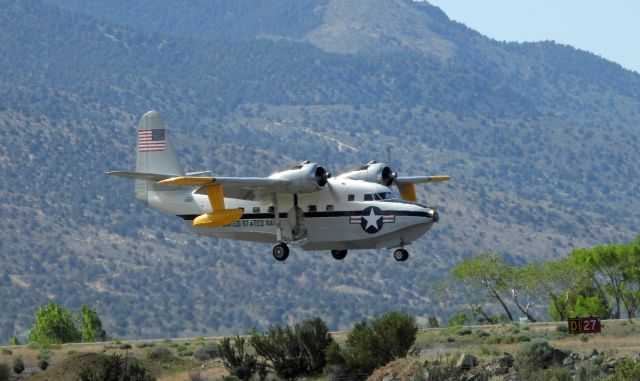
[{"x": 345, "y": 214}]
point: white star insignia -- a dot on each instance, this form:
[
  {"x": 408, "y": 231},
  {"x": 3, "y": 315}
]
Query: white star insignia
[{"x": 372, "y": 220}]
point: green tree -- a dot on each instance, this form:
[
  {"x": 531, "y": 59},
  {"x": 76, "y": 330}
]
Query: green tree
[
  {"x": 559, "y": 279},
  {"x": 90, "y": 325},
  {"x": 53, "y": 324},
  {"x": 489, "y": 272},
  {"x": 526, "y": 288},
  {"x": 629, "y": 255}
]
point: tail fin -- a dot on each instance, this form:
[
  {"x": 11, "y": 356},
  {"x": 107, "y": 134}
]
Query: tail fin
[{"x": 155, "y": 153}]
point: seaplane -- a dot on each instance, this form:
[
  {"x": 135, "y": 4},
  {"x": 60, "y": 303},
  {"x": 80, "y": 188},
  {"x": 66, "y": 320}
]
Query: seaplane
[{"x": 303, "y": 206}]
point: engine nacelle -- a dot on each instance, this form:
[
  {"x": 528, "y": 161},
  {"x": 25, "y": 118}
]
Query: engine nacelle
[
  {"x": 372, "y": 172},
  {"x": 306, "y": 177}
]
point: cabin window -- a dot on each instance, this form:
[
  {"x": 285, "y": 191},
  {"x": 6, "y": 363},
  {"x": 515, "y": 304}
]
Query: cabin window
[
  {"x": 368, "y": 197},
  {"x": 351, "y": 197},
  {"x": 377, "y": 196},
  {"x": 271, "y": 209},
  {"x": 256, "y": 209},
  {"x": 313, "y": 208},
  {"x": 329, "y": 208},
  {"x": 385, "y": 195}
]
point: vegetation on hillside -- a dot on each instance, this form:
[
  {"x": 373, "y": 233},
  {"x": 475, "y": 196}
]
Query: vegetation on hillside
[{"x": 536, "y": 136}]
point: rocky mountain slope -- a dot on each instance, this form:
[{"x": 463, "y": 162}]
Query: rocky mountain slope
[{"x": 542, "y": 141}]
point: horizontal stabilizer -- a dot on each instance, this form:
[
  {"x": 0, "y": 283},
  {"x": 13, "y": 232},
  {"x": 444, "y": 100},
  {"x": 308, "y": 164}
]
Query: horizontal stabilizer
[
  {"x": 265, "y": 183},
  {"x": 140, "y": 175}
]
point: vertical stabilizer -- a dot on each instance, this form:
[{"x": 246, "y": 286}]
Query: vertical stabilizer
[{"x": 155, "y": 153}]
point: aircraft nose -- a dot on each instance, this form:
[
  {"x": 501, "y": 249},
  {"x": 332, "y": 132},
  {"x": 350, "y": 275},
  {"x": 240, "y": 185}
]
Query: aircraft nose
[{"x": 433, "y": 215}]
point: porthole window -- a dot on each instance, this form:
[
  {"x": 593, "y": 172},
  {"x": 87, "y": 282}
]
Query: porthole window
[
  {"x": 313, "y": 208},
  {"x": 329, "y": 208},
  {"x": 351, "y": 197},
  {"x": 256, "y": 209}
]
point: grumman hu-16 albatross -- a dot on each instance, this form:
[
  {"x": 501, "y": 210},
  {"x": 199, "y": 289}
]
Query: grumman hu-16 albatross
[{"x": 301, "y": 206}]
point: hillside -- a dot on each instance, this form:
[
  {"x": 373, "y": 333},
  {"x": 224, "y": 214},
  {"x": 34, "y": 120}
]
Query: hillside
[{"x": 542, "y": 141}]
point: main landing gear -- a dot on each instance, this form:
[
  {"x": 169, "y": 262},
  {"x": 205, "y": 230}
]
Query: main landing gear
[
  {"x": 400, "y": 255},
  {"x": 339, "y": 254},
  {"x": 281, "y": 251}
]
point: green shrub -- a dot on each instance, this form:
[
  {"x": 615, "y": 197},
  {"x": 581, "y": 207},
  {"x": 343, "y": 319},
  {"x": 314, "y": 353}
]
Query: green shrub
[
  {"x": 18, "y": 365},
  {"x": 523, "y": 339},
  {"x": 115, "y": 367},
  {"x": 464, "y": 331},
  {"x": 458, "y": 319},
  {"x": 160, "y": 354},
  {"x": 536, "y": 354},
  {"x": 297, "y": 350},
  {"x": 206, "y": 353},
  {"x": 43, "y": 364},
  {"x": 483, "y": 334},
  {"x": 433, "y": 322},
  {"x": 6, "y": 351},
  {"x": 241, "y": 365},
  {"x": 186, "y": 353},
  {"x": 562, "y": 328},
  {"x": 43, "y": 358},
  {"x": 14, "y": 341},
  {"x": 627, "y": 370},
  {"x": 451, "y": 339},
  {"x": 371, "y": 345},
  {"x": 124, "y": 346},
  {"x": 181, "y": 348},
  {"x": 71, "y": 352},
  {"x": 4, "y": 372}
]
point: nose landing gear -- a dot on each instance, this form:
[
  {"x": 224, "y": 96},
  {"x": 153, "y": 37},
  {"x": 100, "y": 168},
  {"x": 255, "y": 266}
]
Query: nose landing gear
[{"x": 339, "y": 254}]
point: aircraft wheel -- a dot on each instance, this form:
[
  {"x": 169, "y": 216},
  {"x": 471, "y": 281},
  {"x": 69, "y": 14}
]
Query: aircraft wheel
[
  {"x": 281, "y": 251},
  {"x": 339, "y": 254},
  {"x": 400, "y": 255}
]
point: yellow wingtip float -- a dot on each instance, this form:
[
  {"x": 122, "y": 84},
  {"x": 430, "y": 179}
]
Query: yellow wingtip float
[{"x": 219, "y": 215}]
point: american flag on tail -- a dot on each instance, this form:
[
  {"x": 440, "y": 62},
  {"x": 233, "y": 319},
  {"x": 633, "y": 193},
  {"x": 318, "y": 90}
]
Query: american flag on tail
[{"x": 151, "y": 140}]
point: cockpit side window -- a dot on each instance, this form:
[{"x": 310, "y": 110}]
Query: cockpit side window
[
  {"x": 368, "y": 197},
  {"x": 376, "y": 196}
]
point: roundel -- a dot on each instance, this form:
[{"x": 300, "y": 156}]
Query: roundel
[{"x": 371, "y": 220}]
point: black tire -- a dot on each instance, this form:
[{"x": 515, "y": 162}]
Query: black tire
[
  {"x": 281, "y": 252},
  {"x": 400, "y": 255},
  {"x": 339, "y": 254}
]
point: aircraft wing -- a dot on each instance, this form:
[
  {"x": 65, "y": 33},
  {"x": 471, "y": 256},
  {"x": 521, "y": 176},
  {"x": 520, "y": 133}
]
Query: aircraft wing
[
  {"x": 420, "y": 179},
  {"x": 247, "y": 188}
]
